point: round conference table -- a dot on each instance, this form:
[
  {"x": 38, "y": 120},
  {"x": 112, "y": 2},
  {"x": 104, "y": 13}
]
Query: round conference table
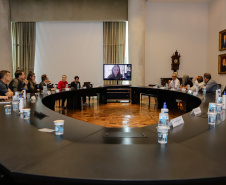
[{"x": 92, "y": 154}]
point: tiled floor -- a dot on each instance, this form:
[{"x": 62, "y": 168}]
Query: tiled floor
[{"x": 119, "y": 114}]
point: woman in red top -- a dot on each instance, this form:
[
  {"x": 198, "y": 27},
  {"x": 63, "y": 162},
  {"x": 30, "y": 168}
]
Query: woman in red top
[{"x": 61, "y": 85}]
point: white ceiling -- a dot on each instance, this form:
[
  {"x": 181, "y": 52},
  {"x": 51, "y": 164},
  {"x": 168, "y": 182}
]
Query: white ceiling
[{"x": 168, "y": 1}]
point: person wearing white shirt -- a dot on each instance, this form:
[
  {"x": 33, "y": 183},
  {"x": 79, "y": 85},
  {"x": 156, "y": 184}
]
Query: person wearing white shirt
[
  {"x": 196, "y": 81},
  {"x": 174, "y": 83},
  {"x": 199, "y": 82}
]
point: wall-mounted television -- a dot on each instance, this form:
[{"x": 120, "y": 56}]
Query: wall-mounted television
[{"x": 117, "y": 71}]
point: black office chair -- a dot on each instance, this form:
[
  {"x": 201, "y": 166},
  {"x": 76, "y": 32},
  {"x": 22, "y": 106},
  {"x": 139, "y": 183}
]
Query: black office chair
[
  {"x": 149, "y": 95},
  {"x": 88, "y": 85},
  {"x": 219, "y": 86},
  {"x": 224, "y": 90}
]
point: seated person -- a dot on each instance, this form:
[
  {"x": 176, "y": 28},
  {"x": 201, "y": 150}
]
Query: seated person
[
  {"x": 211, "y": 85},
  {"x": 174, "y": 83},
  {"x": 5, "y": 78},
  {"x": 32, "y": 85},
  {"x": 76, "y": 82},
  {"x": 196, "y": 81},
  {"x": 199, "y": 83},
  {"x": 45, "y": 81},
  {"x": 61, "y": 85},
  {"x": 19, "y": 82},
  {"x": 186, "y": 81},
  {"x": 115, "y": 73}
]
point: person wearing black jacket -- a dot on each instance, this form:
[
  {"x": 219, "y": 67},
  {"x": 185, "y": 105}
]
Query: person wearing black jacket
[
  {"x": 32, "y": 85},
  {"x": 45, "y": 81},
  {"x": 75, "y": 83},
  {"x": 19, "y": 82}
]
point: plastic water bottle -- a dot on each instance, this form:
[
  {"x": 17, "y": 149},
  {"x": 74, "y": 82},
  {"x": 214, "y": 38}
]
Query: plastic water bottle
[
  {"x": 156, "y": 85},
  {"x": 45, "y": 89},
  {"x": 164, "y": 109},
  {"x": 167, "y": 86},
  {"x": 224, "y": 100},
  {"x": 204, "y": 91},
  {"x": 21, "y": 104},
  {"x": 66, "y": 85},
  {"x": 218, "y": 94},
  {"x": 24, "y": 93},
  {"x": 197, "y": 88},
  {"x": 77, "y": 85},
  {"x": 188, "y": 87}
]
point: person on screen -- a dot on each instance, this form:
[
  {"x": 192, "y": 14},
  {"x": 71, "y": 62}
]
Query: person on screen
[{"x": 115, "y": 73}]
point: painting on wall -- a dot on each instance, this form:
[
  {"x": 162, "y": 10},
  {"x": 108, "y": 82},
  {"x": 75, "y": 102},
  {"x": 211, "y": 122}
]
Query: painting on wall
[
  {"x": 222, "y": 64},
  {"x": 222, "y": 40}
]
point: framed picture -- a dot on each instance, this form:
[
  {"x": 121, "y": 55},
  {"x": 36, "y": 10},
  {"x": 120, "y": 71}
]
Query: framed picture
[
  {"x": 222, "y": 64},
  {"x": 222, "y": 40}
]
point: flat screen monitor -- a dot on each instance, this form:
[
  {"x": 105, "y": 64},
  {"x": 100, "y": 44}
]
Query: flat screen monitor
[{"x": 117, "y": 71}]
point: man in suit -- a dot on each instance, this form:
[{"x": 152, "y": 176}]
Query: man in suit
[
  {"x": 223, "y": 44},
  {"x": 211, "y": 85}
]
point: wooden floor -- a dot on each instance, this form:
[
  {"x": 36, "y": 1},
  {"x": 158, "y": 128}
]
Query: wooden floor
[{"x": 119, "y": 114}]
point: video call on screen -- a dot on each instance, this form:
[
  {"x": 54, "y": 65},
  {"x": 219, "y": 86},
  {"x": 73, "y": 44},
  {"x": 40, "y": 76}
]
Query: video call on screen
[{"x": 124, "y": 73}]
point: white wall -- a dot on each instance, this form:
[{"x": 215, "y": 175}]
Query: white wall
[
  {"x": 71, "y": 48},
  {"x": 175, "y": 26},
  {"x": 217, "y": 23},
  {"x": 5, "y": 37}
]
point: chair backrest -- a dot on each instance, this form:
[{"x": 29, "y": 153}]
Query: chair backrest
[
  {"x": 224, "y": 90},
  {"x": 219, "y": 86},
  {"x": 87, "y": 85}
]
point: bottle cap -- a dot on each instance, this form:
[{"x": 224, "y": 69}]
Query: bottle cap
[
  {"x": 224, "y": 93},
  {"x": 21, "y": 96},
  {"x": 164, "y": 105}
]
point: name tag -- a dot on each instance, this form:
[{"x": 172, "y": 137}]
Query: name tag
[
  {"x": 196, "y": 111},
  {"x": 176, "y": 121}
]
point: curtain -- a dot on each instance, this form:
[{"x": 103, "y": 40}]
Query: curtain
[
  {"x": 114, "y": 44},
  {"x": 23, "y": 46}
]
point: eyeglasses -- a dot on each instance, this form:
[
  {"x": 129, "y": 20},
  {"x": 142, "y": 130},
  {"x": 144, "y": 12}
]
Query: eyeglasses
[{"x": 173, "y": 76}]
